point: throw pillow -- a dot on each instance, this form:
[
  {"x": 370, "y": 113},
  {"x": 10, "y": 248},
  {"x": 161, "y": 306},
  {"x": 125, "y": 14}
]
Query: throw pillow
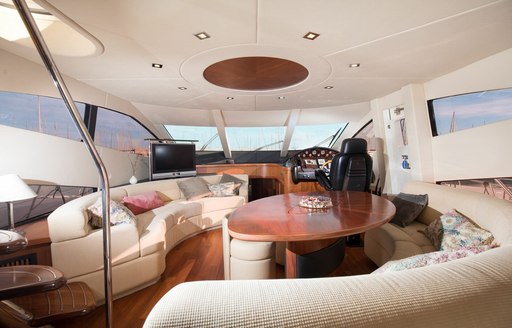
[
  {"x": 453, "y": 230},
  {"x": 408, "y": 207},
  {"x": 418, "y": 261},
  {"x": 142, "y": 203},
  {"x": 194, "y": 188},
  {"x": 119, "y": 214},
  {"x": 230, "y": 178},
  {"x": 222, "y": 189}
]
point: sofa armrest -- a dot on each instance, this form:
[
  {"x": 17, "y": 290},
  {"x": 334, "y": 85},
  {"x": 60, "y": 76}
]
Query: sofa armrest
[
  {"x": 473, "y": 291},
  {"x": 70, "y": 220}
]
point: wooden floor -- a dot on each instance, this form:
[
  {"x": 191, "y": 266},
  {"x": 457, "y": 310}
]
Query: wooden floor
[{"x": 198, "y": 258}]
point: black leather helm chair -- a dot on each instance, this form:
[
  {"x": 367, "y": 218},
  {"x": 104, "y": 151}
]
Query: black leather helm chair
[{"x": 351, "y": 169}]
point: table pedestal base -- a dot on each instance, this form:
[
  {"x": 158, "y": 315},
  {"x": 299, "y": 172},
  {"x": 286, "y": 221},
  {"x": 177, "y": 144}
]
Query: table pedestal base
[{"x": 313, "y": 259}]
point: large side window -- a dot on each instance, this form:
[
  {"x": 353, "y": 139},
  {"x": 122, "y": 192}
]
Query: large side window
[
  {"x": 38, "y": 113},
  {"x": 454, "y": 113},
  {"x": 120, "y": 131}
]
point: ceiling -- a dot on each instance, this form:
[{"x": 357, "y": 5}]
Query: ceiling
[{"x": 396, "y": 42}]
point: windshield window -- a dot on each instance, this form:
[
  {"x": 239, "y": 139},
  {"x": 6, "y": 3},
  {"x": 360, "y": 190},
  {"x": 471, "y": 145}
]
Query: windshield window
[
  {"x": 307, "y": 136},
  {"x": 255, "y": 138},
  {"x": 206, "y": 136}
]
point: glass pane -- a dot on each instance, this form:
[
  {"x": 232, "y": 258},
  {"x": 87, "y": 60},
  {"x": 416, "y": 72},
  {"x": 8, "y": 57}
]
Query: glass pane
[
  {"x": 256, "y": 138},
  {"x": 207, "y": 136},
  {"x": 47, "y": 200},
  {"x": 471, "y": 110},
  {"x": 122, "y": 132},
  {"x": 56, "y": 119},
  {"x": 19, "y": 111},
  {"x": 307, "y": 136},
  {"x": 37, "y": 113},
  {"x": 497, "y": 187},
  {"x": 368, "y": 134}
]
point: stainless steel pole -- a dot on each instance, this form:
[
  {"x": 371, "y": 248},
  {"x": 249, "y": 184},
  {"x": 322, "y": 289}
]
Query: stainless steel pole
[{"x": 48, "y": 61}]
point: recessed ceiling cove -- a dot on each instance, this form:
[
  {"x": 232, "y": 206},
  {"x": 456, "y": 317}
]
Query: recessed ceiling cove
[{"x": 255, "y": 73}]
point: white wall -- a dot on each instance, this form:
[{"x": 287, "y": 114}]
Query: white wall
[
  {"x": 53, "y": 160},
  {"x": 480, "y": 152},
  {"x": 20, "y": 75}
]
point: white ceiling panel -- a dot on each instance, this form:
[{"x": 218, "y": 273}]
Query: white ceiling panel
[{"x": 397, "y": 42}]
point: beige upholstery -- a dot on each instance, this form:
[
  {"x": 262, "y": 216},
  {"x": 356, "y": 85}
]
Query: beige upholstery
[
  {"x": 391, "y": 242},
  {"x": 138, "y": 251},
  {"x": 247, "y": 259},
  {"x": 475, "y": 291},
  {"x": 471, "y": 292}
]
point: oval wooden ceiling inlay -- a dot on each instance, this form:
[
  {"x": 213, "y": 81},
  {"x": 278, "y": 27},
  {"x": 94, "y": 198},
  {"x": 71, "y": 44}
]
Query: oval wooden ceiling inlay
[{"x": 255, "y": 73}]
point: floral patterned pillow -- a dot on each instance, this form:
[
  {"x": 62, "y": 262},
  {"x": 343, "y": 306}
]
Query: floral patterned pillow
[
  {"x": 223, "y": 189},
  {"x": 453, "y": 231},
  {"x": 119, "y": 214},
  {"x": 418, "y": 261}
]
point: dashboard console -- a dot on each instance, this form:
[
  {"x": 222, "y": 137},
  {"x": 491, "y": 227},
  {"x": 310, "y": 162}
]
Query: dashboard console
[{"x": 305, "y": 162}]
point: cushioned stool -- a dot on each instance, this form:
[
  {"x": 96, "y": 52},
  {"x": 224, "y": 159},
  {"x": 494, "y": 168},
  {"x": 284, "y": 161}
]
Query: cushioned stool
[{"x": 247, "y": 259}]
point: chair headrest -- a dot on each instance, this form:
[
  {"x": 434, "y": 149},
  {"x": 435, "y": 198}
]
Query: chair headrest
[{"x": 354, "y": 146}]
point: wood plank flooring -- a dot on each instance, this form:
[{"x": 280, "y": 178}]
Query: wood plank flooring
[{"x": 198, "y": 258}]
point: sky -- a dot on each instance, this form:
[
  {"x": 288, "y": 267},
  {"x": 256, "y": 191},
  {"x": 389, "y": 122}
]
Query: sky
[{"x": 473, "y": 109}]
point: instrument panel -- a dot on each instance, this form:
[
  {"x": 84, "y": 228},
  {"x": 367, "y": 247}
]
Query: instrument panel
[{"x": 305, "y": 162}]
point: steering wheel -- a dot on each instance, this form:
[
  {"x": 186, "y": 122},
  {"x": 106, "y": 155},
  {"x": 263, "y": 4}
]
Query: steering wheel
[{"x": 326, "y": 167}]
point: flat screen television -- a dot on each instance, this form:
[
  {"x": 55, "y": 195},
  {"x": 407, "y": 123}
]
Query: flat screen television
[{"x": 171, "y": 160}]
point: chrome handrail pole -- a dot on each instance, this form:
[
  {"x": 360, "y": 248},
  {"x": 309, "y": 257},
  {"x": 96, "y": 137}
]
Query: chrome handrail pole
[{"x": 50, "y": 65}]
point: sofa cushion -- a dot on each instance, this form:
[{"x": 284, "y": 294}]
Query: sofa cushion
[
  {"x": 212, "y": 204},
  {"x": 408, "y": 207},
  {"x": 230, "y": 178},
  {"x": 119, "y": 214},
  {"x": 143, "y": 202},
  {"x": 222, "y": 189},
  {"x": 418, "y": 261},
  {"x": 194, "y": 188},
  {"x": 453, "y": 230}
]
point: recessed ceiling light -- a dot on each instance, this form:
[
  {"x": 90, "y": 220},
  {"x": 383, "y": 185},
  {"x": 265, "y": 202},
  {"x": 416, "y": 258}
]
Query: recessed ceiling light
[
  {"x": 230, "y": 98},
  {"x": 202, "y": 36},
  {"x": 156, "y": 65},
  {"x": 328, "y": 87},
  {"x": 354, "y": 65},
  {"x": 182, "y": 88},
  {"x": 311, "y": 36},
  {"x": 281, "y": 97}
]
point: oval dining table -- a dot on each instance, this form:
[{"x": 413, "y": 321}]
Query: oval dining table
[{"x": 306, "y": 230}]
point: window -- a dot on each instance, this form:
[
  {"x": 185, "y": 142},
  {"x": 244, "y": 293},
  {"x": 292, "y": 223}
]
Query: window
[
  {"x": 47, "y": 200},
  {"x": 451, "y": 114},
  {"x": 367, "y": 133},
  {"x": 37, "y": 113},
  {"x": 497, "y": 187},
  {"x": 120, "y": 131},
  {"x": 255, "y": 138},
  {"x": 206, "y": 136},
  {"x": 324, "y": 135}
]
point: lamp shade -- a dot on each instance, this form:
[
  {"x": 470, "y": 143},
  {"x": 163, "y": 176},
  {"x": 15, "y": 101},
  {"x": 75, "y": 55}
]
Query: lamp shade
[{"x": 13, "y": 188}]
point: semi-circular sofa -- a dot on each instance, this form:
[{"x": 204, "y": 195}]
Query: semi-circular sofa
[
  {"x": 475, "y": 291},
  {"x": 137, "y": 250}
]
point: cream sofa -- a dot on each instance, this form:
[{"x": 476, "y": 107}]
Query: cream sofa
[
  {"x": 137, "y": 251},
  {"x": 475, "y": 291},
  {"x": 392, "y": 242}
]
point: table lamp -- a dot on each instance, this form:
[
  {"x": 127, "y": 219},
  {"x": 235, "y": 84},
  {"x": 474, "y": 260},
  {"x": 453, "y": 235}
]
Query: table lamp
[{"x": 13, "y": 188}]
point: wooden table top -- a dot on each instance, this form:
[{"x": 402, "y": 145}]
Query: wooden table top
[
  {"x": 11, "y": 241},
  {"x": 28, "y": 279},
  {"x": 280, "y": 218}
]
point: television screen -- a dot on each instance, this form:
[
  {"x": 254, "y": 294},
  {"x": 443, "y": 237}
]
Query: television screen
[{"x": 172, "y": 160}]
